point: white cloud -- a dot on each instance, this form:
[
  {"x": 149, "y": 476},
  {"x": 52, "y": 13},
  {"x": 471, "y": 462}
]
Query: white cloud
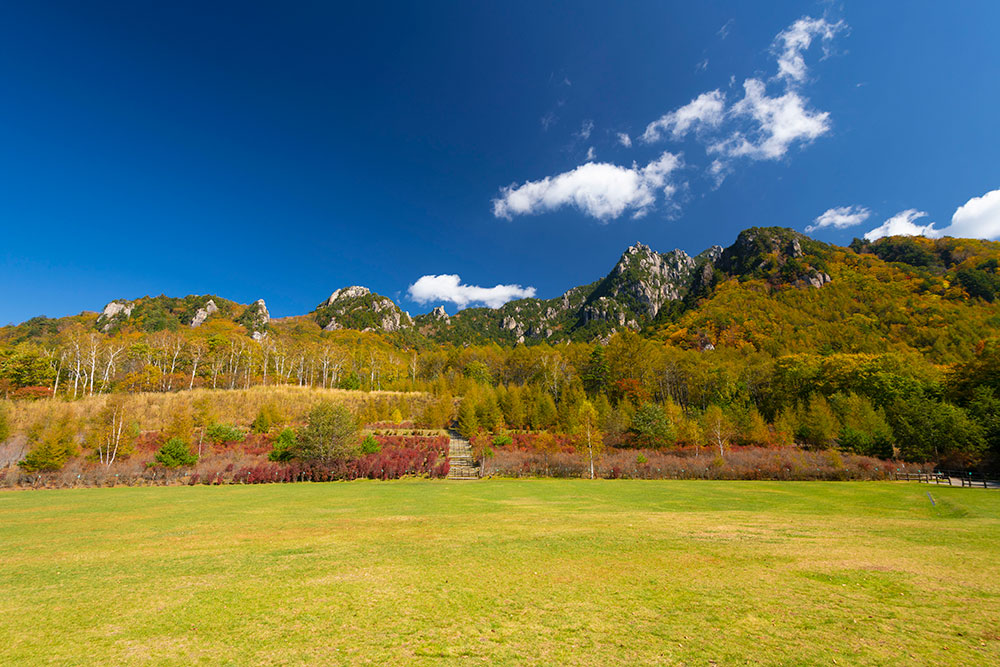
[
  {"x": 776, "y": 123},
  {"x": 978, "y": 218},
  {"x": 902, "y": 224},
  {"x": 798, "y": 37},
  {"x": 449, "y": 288},
  {"x": 702, "y": 66},
  {"x": 705, "y": 111},
  {"x": 841, "y": 217},
  {"x": 601, "y": 190},
  {"x": 760, "y": 126},
  {"x": 591, "y": 154}
]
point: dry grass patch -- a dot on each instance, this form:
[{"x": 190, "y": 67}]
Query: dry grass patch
[{"x": 153, "y": 411}]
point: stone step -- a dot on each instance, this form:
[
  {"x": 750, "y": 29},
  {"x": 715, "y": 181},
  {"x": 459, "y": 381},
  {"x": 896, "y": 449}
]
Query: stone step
[{"x": 462, "y": 465}]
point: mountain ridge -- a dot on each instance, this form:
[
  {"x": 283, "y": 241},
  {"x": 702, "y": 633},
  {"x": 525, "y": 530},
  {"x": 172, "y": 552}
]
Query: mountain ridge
[{"x": 645, "y": 291}]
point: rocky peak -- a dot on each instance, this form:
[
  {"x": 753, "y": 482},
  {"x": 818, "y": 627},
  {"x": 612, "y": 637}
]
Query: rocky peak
[
  {"x": 439, "y": 313},
  {"x": 638, "y": 249},
  {"x": 357, "y": 307},
  {"x": 649, "y": 279},
  {"x": 782, "y": 256},
  {"x": 351, "y": 292},
  {"x": 756, "y": 246}
]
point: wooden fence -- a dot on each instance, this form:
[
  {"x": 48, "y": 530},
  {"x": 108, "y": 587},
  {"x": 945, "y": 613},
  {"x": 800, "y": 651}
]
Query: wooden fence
[{"x": 964, "y": 478}]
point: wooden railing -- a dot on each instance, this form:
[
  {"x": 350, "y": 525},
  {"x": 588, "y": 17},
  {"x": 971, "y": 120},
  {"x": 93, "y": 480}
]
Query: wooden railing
[
  {"x": 927, "y": 477},
  {"x": 965, "y": 478}
]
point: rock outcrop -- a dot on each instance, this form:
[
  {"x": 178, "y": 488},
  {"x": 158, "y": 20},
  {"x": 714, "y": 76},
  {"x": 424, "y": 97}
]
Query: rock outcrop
[
  {"x": 256, "y": 319},
  {"x": 114, "y": 313},
  {"x": 439, "y": 313},
  {"x": 203, "y": 313}
]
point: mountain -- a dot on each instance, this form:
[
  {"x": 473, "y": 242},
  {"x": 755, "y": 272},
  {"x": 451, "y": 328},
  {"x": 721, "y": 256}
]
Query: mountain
[
  {"x": 356, "y": 307},
  {"x": 778, "y": 292},
  {"x": 773, "y": 290},
  {"x": 643, "y": 288},
  {"x": 637, "y": 289}
]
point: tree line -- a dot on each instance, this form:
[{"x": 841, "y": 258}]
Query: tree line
[{"x": 643, "y": 391}]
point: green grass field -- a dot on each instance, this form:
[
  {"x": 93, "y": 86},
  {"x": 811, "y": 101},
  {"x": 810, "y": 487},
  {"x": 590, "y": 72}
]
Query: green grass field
[{"x": 502, "y": 572}]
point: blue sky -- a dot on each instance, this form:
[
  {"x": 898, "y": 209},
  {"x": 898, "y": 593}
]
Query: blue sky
[{"x": 281, "y": 151}]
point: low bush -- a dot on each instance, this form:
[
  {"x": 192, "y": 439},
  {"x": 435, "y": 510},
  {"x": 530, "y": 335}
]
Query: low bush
[
  {"x": 267, "y": 416},
  {"x": 370, "y": 445},
  {"x": 175, "y": 453},
  {"x": 224, "y": 433},
  {"x": 284, "y": 446}
]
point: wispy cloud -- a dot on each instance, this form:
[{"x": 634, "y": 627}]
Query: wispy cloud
[
  {"x": 706, "y": 110},
  {"x": 591, "y": 154},
  {"x": 585, "y": 129},
  {"x": 841, "y": 217},
  {"x": 449, "y": 288},
  {"x": 790, "y": 43},
  {"x": 601, "y": 190},
  {"x": 625, "y": 140},
  {"x": 723, "y": 32}
]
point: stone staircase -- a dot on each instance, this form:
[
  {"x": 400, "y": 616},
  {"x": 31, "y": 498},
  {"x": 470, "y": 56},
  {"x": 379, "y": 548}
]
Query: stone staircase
[{"x": 461, "y": 463}]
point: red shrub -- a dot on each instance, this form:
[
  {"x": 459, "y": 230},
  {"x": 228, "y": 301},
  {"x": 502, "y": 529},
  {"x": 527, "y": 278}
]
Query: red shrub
[
  {"x": 149, "y": 441},
  {"x": 31, "y": 393},
  {"x": 740, "y": 463},
  {"x": 404, "y": 425}
]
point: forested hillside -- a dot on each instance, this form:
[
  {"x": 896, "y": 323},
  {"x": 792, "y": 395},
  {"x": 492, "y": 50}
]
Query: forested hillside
[{"x": 885, "y": 348}]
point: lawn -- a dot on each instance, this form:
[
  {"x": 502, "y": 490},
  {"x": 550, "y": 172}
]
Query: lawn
[{"x": 502, "y": 572}]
